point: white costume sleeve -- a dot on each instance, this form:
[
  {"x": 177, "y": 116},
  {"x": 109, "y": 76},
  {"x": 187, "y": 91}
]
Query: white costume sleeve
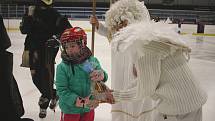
[
  {"x": 102, "y": 30},
  {"x": 148, "y": 71}
]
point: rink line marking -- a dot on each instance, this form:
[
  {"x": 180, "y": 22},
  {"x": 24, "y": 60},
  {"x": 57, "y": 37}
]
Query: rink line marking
[
  {"x": 90, "y": 30},
  {"x": 201, "y": 34},
  {"x": 183, "y": 33}
]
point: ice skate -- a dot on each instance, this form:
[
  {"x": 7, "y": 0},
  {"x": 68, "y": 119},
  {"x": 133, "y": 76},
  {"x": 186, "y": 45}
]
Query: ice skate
[
  {"x": 43, "y": 102},
  {"x": 42, "y": 113},
  {"x": 53, "y": 103}
]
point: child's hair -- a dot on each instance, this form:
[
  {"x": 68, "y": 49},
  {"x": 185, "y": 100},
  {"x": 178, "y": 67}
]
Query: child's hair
[{"x": 75, "y": 34}]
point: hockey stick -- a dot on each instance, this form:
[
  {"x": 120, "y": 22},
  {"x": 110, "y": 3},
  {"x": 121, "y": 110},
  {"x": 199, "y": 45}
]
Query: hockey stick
[
  {"x": 93, "y": 27},
  {"x": 112, "y": 2}
]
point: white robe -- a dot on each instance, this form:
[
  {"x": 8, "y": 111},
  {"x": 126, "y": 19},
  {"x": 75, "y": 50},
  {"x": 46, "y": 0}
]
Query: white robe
[
  {"x": 158, "y": 52},
  {"x": 121, "y": 76}
]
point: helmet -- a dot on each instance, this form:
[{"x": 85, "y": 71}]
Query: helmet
[
  {"x": 75, "y": 34},
  {"x": 47, "y": 2}
]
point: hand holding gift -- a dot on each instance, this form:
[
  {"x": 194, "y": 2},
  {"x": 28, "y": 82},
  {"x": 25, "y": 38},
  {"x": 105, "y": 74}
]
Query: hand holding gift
[{"x": 97, "y": 75}]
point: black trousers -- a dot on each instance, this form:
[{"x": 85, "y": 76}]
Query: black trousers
[
  {"x": 42, "y": 68},
  {"x": 11, "y": 99}
]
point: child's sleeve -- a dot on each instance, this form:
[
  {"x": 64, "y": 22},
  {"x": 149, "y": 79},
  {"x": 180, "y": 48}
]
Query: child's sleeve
[
  {"x": 62, "y": 86},
  {"x": 98, "y": 67}
]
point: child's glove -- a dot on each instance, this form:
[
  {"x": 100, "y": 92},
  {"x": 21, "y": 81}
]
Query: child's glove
[
  {"x": 79, "y": 102},
  {"x": 53, "y": 42},
  {"x": 97, "y": 75},
  {"x": 86, "y": 100},
  {"x": 82, "y": 102}
]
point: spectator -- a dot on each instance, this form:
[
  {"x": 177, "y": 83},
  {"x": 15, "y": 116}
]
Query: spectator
[
  {"x": 43, "y": 26},
  {"x": 11, "y": 99}
]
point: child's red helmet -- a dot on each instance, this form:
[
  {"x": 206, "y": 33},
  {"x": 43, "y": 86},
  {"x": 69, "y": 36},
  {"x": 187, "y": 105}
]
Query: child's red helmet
[{"x": 75, "y": 34}]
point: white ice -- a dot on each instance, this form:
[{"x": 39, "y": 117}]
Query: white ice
[{"x": 202, "y": 63}]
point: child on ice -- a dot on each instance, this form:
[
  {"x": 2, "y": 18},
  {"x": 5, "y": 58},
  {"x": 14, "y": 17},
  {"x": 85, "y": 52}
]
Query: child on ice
[{"x": 74, "y": 77}]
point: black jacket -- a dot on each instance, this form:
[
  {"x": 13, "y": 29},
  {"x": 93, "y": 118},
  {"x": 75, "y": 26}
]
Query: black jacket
[
  {"x": 11, "y": 101},
  {"x": 4, "y": 38},
  {"x": 44, "y": 23}
]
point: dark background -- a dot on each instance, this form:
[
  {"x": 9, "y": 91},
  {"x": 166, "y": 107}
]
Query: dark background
[{"x": 152, "y": 4}]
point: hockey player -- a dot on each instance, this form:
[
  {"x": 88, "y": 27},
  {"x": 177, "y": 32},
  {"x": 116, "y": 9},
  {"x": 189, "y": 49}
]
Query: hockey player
[{"x": 75, "y": 75}]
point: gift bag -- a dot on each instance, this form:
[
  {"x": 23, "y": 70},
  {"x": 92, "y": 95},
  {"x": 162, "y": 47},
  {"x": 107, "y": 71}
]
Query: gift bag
[
  {"x": 102, "y": 93},
  {"x": 99, "y": 89},
  {"x": 25, "y": 59}
]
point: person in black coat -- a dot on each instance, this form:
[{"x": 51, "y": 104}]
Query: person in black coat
[
  {"x": 12, "y": 105},
  {"x": 43, "y": 26}
]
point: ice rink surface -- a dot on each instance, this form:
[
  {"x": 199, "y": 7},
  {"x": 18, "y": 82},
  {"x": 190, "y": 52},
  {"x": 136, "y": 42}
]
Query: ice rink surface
[{"x": 202, "y": 63}]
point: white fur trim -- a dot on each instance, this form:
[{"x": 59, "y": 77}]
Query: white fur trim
[
  {"x": 144, "y": 32},
  {"x": 131, "y": 10}
]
